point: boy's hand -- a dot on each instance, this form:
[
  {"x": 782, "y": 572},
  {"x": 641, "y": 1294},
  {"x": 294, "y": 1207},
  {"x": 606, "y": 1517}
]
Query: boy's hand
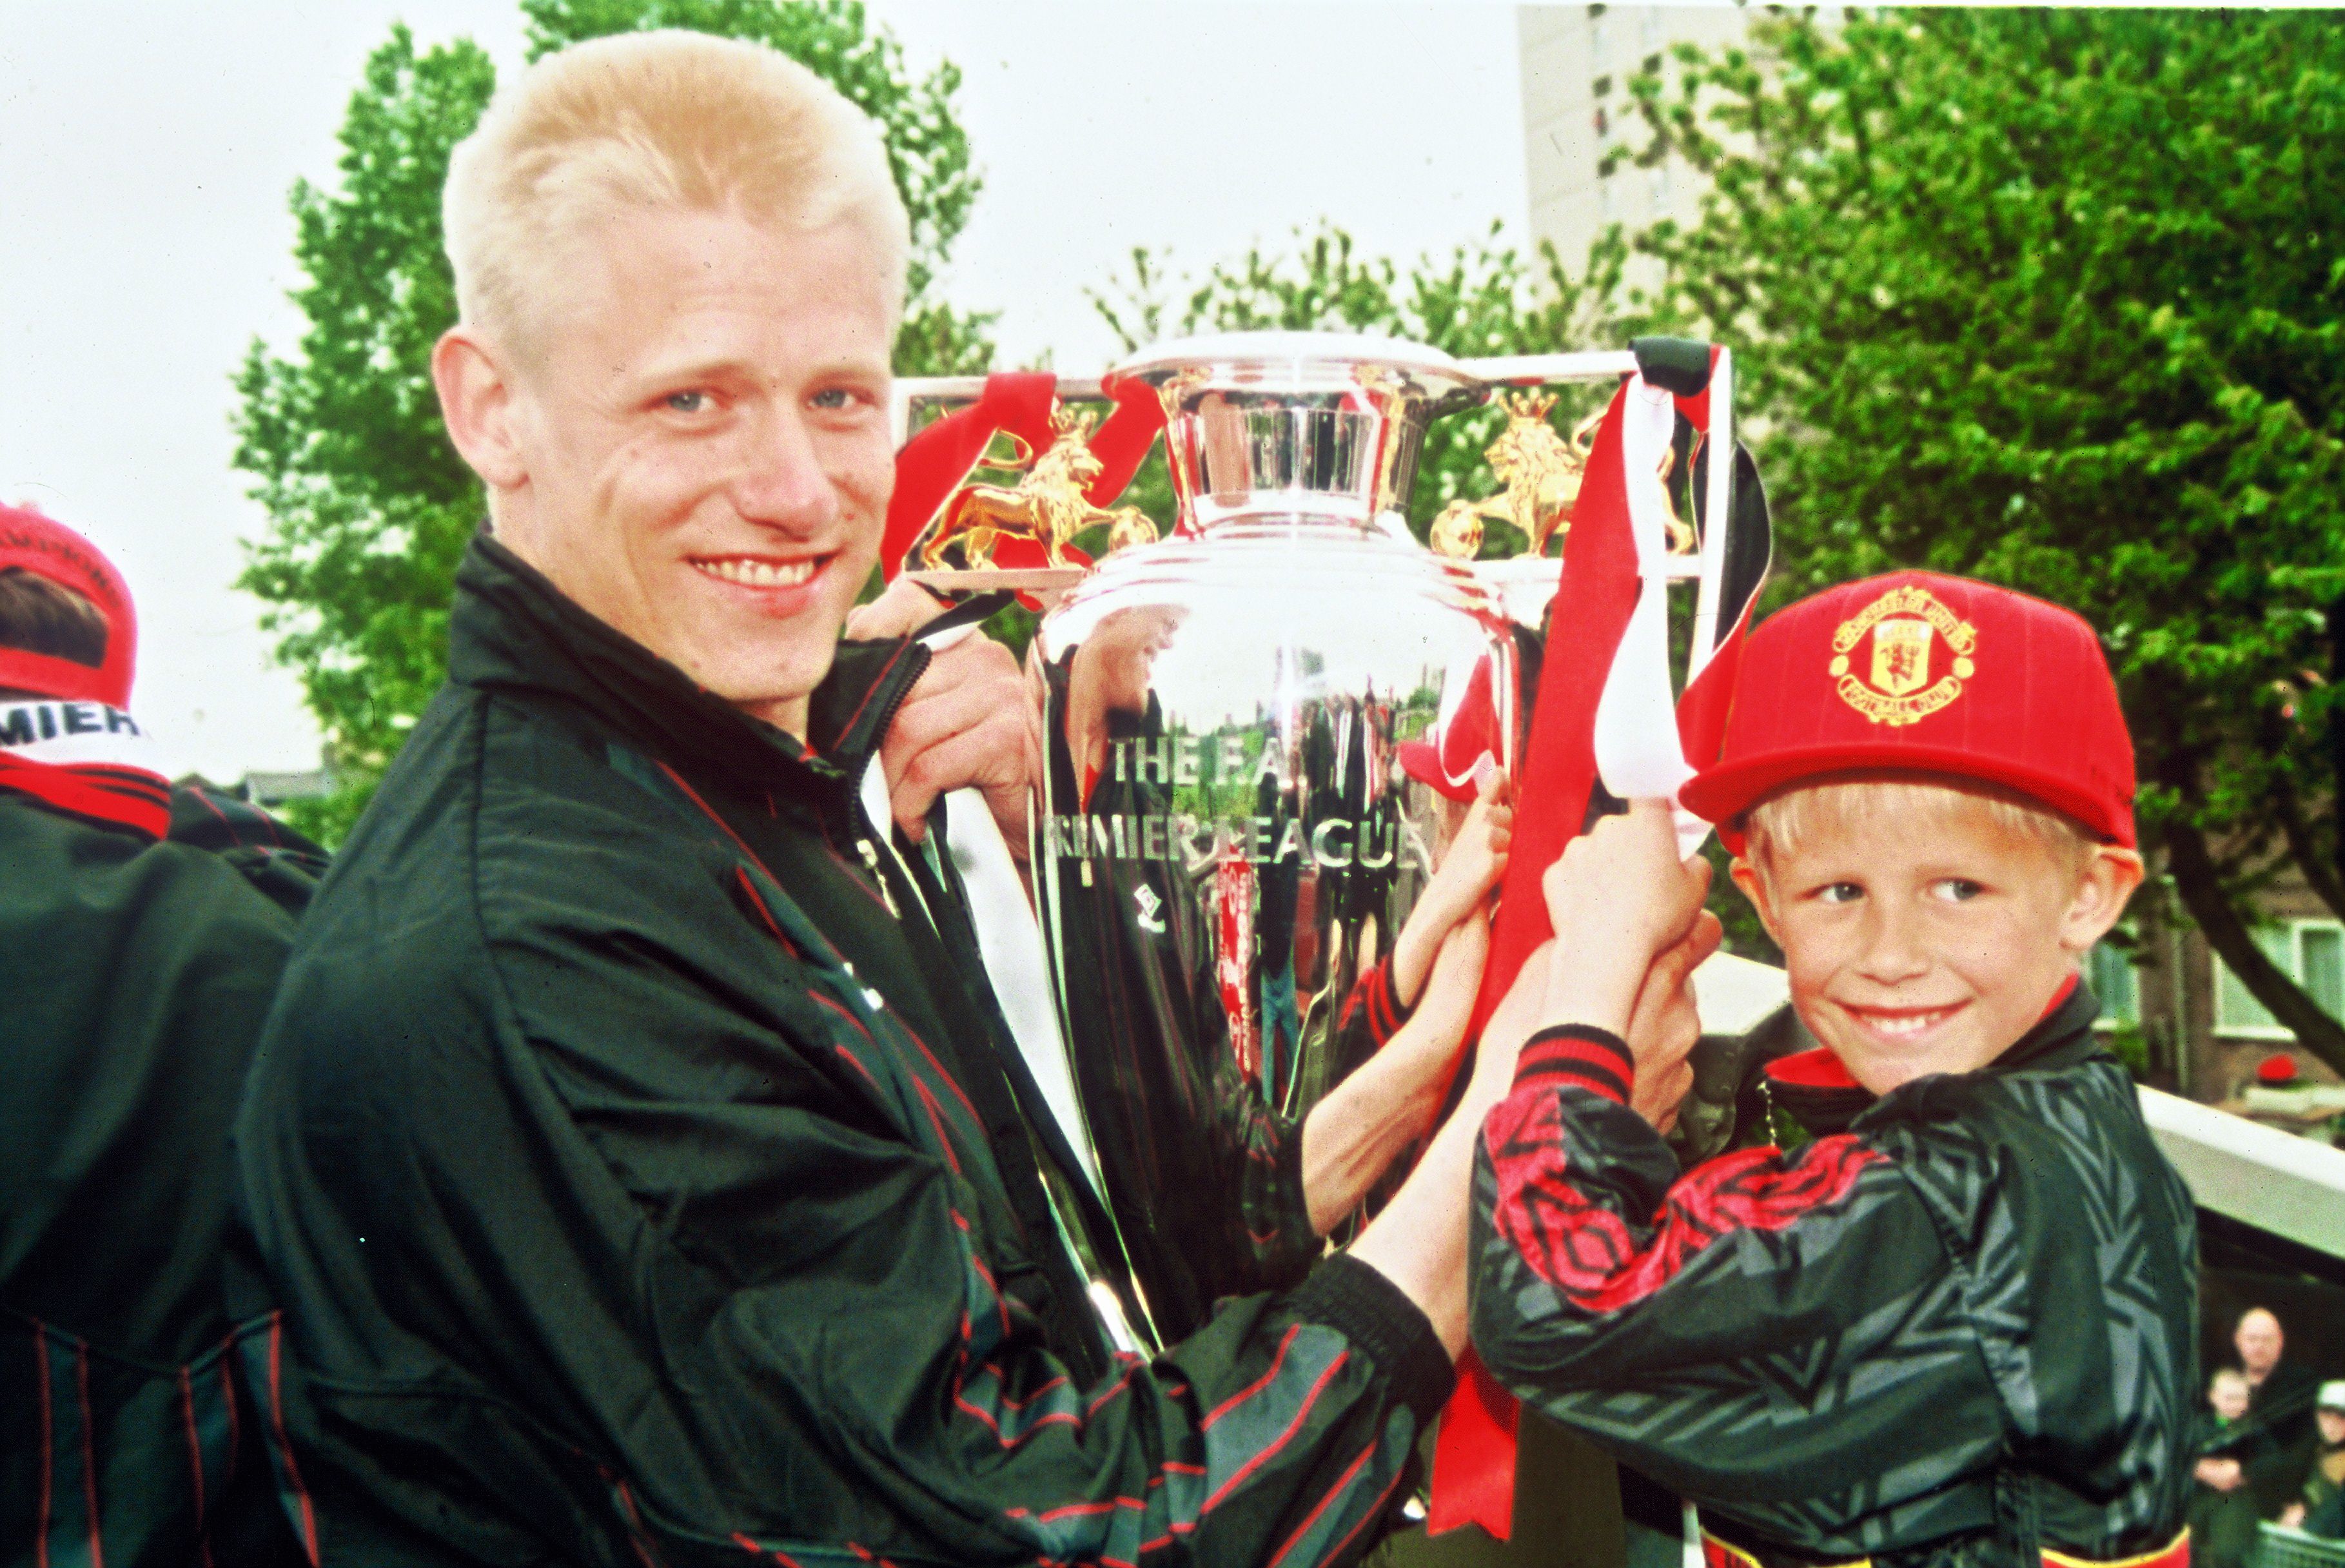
[
  {"x": 1617, "y": 896},
  {"x": 1621, "y": 882},
  {"x": 1664, "y": 1027}
]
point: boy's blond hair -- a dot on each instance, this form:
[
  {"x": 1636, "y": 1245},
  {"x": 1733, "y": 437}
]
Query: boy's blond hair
[
  {"x": 1781, "y": 822},
  {"x": 661, "y": 120}
]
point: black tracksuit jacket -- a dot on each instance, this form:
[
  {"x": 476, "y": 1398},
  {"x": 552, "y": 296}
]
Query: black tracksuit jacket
[
  {"x": 1959, "y": 1329},
  {"x": 639, "y": 1169},
  {"x": 135, "y": 968}
]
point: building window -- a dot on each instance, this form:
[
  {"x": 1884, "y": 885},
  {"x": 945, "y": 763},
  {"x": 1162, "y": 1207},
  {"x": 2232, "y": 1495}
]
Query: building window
[
  {"x": 2109, "y": 971},
  {"x": 2310, "y": 952}
]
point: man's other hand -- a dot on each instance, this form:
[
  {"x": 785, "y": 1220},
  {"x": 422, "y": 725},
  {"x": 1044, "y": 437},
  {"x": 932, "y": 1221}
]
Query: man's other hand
[{"x": 965, "y": 724}]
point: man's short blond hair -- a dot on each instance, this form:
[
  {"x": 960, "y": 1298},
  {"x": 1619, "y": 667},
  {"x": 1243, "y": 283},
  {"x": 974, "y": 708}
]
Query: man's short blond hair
[
  {"x": 659, "y": 120},
  {"x": 1781, "y": 822}
]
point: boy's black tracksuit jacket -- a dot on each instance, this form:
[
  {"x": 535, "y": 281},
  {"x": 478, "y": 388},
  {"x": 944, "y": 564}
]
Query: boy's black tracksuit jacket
[
  {"x": 641, "y": 1173},
  {"x": 1958, "y": 1331}
]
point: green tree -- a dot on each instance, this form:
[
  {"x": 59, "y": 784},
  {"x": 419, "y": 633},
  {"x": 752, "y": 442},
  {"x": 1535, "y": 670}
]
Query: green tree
[
  {"x": 2052, "y": 298},
  {"x": 368, "y": 507}
]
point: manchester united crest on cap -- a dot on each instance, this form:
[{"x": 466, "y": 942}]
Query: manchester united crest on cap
[{"x": 1887, "y": 662}]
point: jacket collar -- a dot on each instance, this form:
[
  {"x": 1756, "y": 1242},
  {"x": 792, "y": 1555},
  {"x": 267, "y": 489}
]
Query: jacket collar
[
  {"x": 512, "y": 630},
  {"x": 1818, "y": 1092}
]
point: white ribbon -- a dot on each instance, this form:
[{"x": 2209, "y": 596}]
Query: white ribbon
[{"x": 1638, "y": 752}]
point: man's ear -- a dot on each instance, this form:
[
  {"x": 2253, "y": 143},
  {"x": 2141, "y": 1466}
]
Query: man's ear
[
  {"x": 476, "y": 399},
  {"x": 2109, "y": 877},
  {"x": 1753, "y": 883}
]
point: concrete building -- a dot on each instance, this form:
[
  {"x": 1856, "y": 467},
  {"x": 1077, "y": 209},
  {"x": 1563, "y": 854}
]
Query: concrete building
[{"x": 1576, "y": 61}]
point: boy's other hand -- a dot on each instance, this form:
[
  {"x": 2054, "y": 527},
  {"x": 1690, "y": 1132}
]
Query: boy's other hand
[{"x": 1664, "y": 1027}]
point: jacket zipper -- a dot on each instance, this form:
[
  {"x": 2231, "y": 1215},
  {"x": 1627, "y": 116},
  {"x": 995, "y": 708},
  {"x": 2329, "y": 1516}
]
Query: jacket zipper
[{"x": 919, "y": 655}]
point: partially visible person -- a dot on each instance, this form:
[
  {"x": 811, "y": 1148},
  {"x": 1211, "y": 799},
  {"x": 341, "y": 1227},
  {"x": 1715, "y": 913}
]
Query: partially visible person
[
  {"x": 2320, "y": 1509},
  {"x": 1959, "y": 1328},
  {"x": 2222, "y": 1519},
  {"x": 2268, "y": 1452},
  {"x": 142, "y": 930}
]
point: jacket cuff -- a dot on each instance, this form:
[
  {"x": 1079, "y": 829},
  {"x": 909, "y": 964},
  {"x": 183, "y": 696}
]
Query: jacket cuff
[
  {"x": 1385, "y": 1013},
  {"x": 1577, "y": 1055},
  {"x": 1379, "y": 1320}
]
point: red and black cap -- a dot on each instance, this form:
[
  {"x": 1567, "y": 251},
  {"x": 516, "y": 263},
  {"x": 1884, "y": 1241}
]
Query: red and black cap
[
  {"x": 1449, "y": 756},
  {"x": 48, "y": 548},
  {"x": 1919, "y": 673}
]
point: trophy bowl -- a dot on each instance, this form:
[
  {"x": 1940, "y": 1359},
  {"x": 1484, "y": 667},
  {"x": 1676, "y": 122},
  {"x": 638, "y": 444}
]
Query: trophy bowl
[{"x": 1229, "y": 835}]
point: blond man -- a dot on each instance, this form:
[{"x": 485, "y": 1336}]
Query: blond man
[{"x": 638, "y": 1164}]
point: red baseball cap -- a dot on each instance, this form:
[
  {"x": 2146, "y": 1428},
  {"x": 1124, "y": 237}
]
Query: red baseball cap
[
  {"x": 1451, "y": 754},
  {"x": 1918, "y": 672},
  {"x": 50, "y": 549}
]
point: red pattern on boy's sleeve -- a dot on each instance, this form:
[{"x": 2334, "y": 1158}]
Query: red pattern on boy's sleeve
[{"x": 1589, "y": 1252}]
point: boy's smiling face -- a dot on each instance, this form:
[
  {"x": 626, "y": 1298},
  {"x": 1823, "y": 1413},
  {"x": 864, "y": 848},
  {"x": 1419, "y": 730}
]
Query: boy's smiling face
[{"x": 1929, "y": 942}]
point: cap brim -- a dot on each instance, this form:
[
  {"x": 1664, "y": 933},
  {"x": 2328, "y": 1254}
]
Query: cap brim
[
  {"x": 1721, "y": 795},
  {"x": 1421, "y": 761}
]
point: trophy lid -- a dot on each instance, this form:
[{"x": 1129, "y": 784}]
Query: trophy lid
[
  {"x": 1297, "y": 361},
  {"x": 1315, "y": 424}
]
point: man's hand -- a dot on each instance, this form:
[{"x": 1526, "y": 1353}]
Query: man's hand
[
  {"x": 1470, "y": 869},
  {"x": 1477, "y": 857},
  {"x": 1664, "y": 1027},
  {"x": 965, "y": 724},
  {"x": 2222, "y": 1474},
  {"x": 1351, "y": 1137},
  {"x": 1511, "y": 1023}
]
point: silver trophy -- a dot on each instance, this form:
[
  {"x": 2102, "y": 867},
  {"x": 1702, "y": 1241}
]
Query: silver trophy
[{"x": 1259, "y": 732}]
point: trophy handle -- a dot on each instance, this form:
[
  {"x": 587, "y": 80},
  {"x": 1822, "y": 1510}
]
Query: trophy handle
[{"x": 1708, "y": 567}]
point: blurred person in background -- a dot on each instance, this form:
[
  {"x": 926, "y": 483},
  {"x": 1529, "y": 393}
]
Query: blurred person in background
[
  {"x": 2222, "y": 1520},
  {"x": 142, "y": 930},
  {"x": 2320, "y": 1509},
  {"x": 2268, "y": 1450}
]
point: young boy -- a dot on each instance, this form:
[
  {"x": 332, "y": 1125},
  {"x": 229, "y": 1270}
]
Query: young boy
[{"x": 1959, "y": 1331}]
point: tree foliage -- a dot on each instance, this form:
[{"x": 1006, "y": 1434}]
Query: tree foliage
[
  {"x": 368, "y": 507},
  {"x": 2052, "y": 298}
]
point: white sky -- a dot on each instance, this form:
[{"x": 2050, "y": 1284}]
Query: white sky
[{"x": 145, "y": 151}]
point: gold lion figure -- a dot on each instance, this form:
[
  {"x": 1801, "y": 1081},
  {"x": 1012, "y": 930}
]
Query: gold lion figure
[
  {"x": 1047, "y": 506},
  {"x": 1539, "y": 470}
]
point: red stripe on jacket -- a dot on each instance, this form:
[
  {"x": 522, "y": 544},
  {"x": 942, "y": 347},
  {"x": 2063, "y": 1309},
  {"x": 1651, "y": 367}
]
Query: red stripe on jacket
[{"x": 1590, "y": 1254}]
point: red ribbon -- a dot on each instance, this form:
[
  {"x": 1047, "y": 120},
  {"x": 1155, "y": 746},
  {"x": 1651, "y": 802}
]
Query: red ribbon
[
  {"x": 931, "y": 467},
  {"x": 1474, "y": 1454}
]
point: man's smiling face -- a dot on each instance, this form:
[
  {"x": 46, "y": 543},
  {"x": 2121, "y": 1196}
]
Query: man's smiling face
[
  {"x": 703, "y": 430},
  {"x": 1919, "y": 946}
]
